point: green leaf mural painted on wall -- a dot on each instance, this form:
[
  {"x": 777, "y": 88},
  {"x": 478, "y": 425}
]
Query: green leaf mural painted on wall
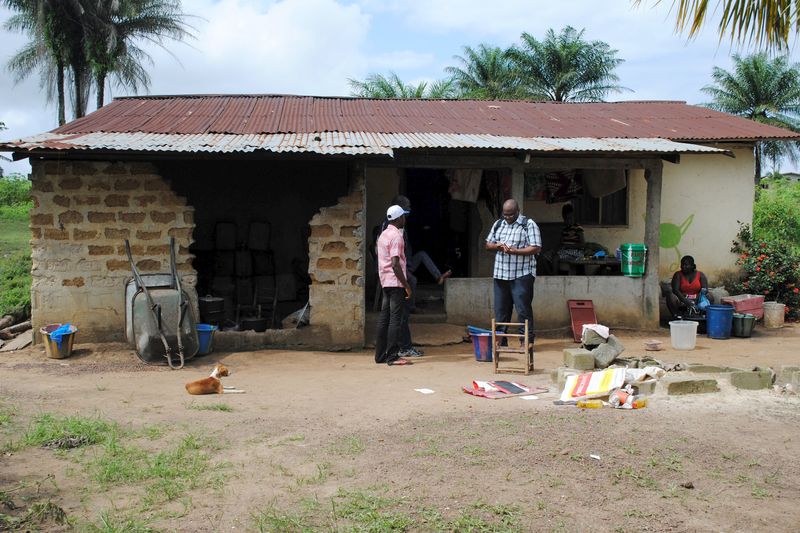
[{"x": 670, "y": 235}]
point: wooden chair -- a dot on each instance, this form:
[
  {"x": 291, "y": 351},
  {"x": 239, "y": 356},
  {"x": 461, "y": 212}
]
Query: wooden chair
[{"x": 524, "y": 348}]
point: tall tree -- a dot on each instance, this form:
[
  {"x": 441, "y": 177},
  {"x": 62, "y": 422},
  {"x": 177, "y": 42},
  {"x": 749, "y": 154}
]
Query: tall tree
[
  {"x": 767, "y": 23},
  {"x": 113, "y": 29},
  {"x": 485, "y": 73},
  {"x": 391, "y": 86},
  {"x": 2, "y": 128},
  {"x": 763, "y": 89},
  {"x": 81, "y": 41},
  {"x": 54, "y": 29},
  {"x": 566, "y": 67}
]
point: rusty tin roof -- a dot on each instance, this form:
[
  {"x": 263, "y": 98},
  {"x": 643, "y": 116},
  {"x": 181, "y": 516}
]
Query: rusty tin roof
[{"x": 337, "y": 125}]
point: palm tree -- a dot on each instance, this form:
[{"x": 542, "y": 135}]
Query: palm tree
[
  {"x": 762, "y": 22},
  {"x": 53, "y": 27},
  {"x": 486, "y": 73},
  {"x": 765, "y": 90},
  {"x": 113, "y": 27},
  {"x": 565, "y": 67},
  {"x": 391, "y": 86}
]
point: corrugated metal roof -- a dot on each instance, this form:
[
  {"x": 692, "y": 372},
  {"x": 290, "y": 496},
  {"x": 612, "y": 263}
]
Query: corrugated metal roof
[
  {"x": 247, "y": 123},
  {"x": 246, "y": 114},
  {"x": 349, "y": 143}
]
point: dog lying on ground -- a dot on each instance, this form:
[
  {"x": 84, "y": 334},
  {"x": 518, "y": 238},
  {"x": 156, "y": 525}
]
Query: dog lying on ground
[{"x": 212, "y": 384}]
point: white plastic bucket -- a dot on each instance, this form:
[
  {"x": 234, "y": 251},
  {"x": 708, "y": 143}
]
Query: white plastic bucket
[
  {"x": 774, "y": 314},
  {"x": 683, "y": 334}
]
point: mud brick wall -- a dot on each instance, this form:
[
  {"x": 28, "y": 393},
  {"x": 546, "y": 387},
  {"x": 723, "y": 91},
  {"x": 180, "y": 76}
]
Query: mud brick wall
[
  {"x": 336, "y": 267},
  {"x": 82, "y": 212}
]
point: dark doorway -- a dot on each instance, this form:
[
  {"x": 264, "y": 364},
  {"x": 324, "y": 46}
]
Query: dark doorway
[{"x": 438, "y": 225}]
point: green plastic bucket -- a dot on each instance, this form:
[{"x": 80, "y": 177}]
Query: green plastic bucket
[{"x": 632, "y": 259}]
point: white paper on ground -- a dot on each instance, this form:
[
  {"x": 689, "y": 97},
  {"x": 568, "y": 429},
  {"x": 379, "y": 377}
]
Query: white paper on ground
[
  {"x": 425, "y": 391},
  {"x": 529, "y": 397}
]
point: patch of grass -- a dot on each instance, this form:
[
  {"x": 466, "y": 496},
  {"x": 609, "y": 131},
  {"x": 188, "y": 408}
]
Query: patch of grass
[
  {"x": 771, "y": 479},
  {"x": 7, "y": 412},
  {"x": 323, "y": 473},
  {"x": 272, "y": 519},
  {"x": 640, "y": 479},
  {"x": 287, "y": 440},
  {"x": 350, "y": 445},
  {"x": 38, "y": 514},
  {"x": 432, "y": 450},
  {"x": 370, "y": 512},
  {"x": 50, "y": 429},
  {"x": 44, "y": 512},
  {"x": 475, "y": 451},
  {"x": 631, "y": 449},
  {"x": 153, "y": 432},
  {"x": 167, "y": 475},
  {"x": 119, "y": 523},
  {"x": 636, "y": 513},
  {"x": 224, "y": 407},
  {"x": 508, "y": 514},
  {"x": 15, "y": 281},
  {"x": 759, "y": 492}
]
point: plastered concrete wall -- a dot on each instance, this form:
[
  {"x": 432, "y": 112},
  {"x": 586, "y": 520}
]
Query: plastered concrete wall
[
  {"x": 336, "y": 267},
  {"x": 617, "y": 300},
  {"x": 703, "y": 198},
  {"x": 82, "y": 213}
]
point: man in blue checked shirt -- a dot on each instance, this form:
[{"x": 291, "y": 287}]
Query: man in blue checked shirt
[{"x": 516, "y": 240}]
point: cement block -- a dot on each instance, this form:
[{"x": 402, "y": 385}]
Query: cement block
[
  {"x": 752, "y": 380},
  {"x": 687, "y": 385},
  {"x": 786, "y": 374},
  {"x": 646, "y": 387},
  {"x": 796, "y": 380},
  {"x": 699, "y": 368},
  {"x": 560, "y": 374},
  {"x": 578, "y": 358}
]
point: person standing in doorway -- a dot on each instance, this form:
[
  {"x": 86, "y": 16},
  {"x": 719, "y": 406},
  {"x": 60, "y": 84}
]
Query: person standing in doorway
[
  {"x": 413, "y": 261},
  {"x": 516, "y": 240},
  {"x": 396, "y": 289}
]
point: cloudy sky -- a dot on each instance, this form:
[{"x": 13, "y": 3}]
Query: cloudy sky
[{"x": 313, "y": 46}]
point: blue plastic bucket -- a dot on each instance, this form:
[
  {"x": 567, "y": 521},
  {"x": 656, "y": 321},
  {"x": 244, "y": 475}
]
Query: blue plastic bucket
[
  {"x": 719, "y": 321},
  {"x": 483, "y": 347},
  {"x": 205, "y": 334}
]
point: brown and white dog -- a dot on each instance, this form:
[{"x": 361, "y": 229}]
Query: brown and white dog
[{"x": 212, "y": 384}]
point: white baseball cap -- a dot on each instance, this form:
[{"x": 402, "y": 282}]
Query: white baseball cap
[{"x": 395, "y": 212}]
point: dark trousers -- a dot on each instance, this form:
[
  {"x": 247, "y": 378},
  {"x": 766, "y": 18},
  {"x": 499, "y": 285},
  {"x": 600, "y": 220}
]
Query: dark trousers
[
  {"x": 387, "y": 340},
  {"x": 405, "y": 329},
  {"x": 514, "y": 294}
]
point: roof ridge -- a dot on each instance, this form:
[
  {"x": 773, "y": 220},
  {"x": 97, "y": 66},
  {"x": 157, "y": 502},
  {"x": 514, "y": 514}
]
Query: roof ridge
[{"x": 359, "y": 98}]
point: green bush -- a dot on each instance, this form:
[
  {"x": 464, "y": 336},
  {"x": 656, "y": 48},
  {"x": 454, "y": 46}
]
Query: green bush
[
  {"x": 770, "y": 268},
  {"x": 776, "y": 212},
  {"x": 15, "y": 189},
  {"x": 16, "y": 212},
  {"x": 15, "y": 285}
]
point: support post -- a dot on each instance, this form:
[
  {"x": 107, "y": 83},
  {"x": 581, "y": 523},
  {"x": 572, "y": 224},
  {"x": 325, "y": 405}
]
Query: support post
[
  {"x": 652, "y": 287},
  {"x": 518, "y": 185}
]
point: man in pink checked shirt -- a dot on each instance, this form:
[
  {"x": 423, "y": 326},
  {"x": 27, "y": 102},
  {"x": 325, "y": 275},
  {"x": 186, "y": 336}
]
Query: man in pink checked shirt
[{"x": 392, "y": 274}]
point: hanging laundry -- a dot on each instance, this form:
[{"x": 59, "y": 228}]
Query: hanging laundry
[
  {"x": 562, "y": 186},
  {"x": 465, "y": 184}
]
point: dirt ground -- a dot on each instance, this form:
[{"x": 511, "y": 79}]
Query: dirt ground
[{"x": 333, "y": 442}]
